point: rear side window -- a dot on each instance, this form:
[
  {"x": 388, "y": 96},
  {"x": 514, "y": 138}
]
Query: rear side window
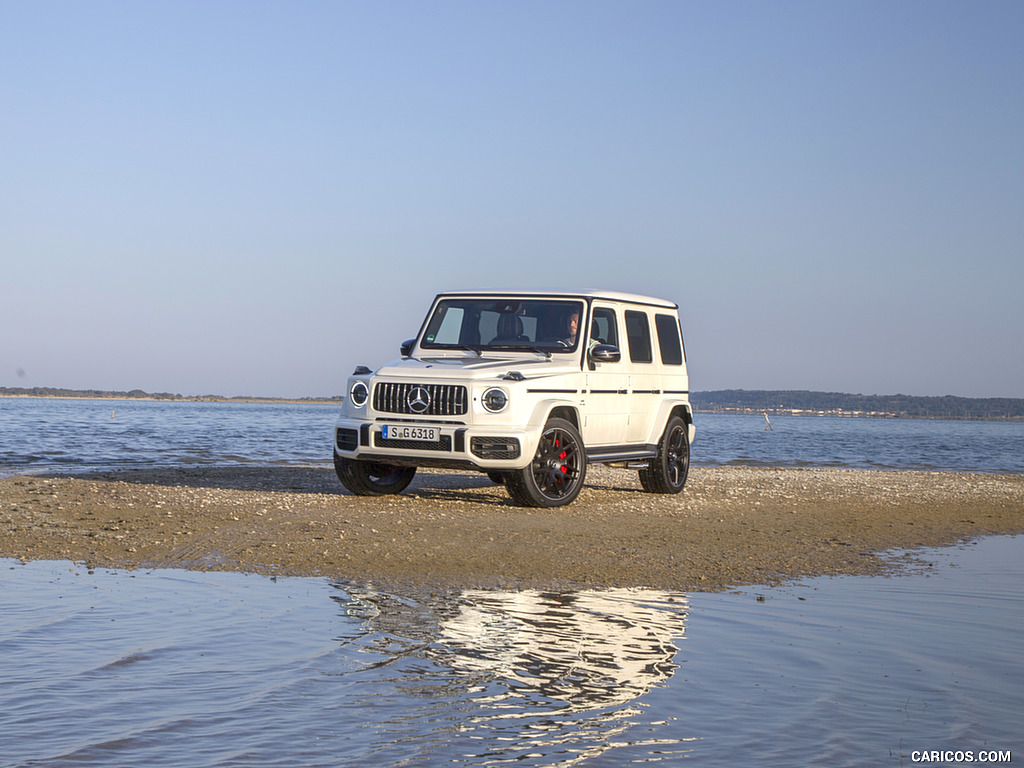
[
  {"x": 638, "y": 334},
  {"x": 669, "y": 342}
]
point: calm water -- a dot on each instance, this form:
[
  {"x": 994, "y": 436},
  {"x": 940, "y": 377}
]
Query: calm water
[
  {"x": 77, "y": 435},
  {"x": 172, "y": 668},
  {"x": 864, "y": 443}
]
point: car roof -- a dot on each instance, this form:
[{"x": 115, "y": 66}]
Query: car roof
[{"x": 631, "y": 298}]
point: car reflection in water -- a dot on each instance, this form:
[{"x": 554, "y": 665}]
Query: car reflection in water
[{"x": 588, "y": 650}]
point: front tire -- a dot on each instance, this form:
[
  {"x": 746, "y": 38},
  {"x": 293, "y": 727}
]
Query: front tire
[
  {"x": 371, "y": 478},
  {"x": 555, "y": 476},
  {"x": 668, "y": 470}
]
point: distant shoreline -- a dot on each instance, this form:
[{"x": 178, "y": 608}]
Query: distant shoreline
[
  {"x": 810, "y": 403},
  {"x": 177, "y": 399},
  {"x": 840, "y": 413}
]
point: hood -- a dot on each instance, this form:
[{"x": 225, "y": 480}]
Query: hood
[{"x": 477, "y": 368}]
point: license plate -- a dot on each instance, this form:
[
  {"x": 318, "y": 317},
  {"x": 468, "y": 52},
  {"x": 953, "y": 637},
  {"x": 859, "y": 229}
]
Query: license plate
[{"x": 396, "y": 432}]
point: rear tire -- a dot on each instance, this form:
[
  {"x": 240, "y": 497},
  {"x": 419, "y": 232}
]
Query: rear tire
[
  {"x": 371, "y": 478},
  {"x": 555, "y": 476},
  {"x": 668, "y": 471}
]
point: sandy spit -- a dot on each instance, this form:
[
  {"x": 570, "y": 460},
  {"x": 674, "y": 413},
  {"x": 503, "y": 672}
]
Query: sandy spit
[{"x": 729, "y": 527}]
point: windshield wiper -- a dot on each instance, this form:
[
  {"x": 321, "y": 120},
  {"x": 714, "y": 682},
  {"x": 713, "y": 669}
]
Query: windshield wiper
[{"x": 524, "y": 348}]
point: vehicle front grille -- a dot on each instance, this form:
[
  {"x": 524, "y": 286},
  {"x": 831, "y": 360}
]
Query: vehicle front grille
[{"x": 442, "y": 399}]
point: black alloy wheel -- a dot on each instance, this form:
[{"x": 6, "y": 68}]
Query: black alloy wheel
[
  {"x": 668, "y": 471},
  {"x": 555, "y": 476}
]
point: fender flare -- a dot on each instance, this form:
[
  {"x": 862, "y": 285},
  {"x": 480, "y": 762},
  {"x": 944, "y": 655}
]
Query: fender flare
[{"x": 666, "y": 410}]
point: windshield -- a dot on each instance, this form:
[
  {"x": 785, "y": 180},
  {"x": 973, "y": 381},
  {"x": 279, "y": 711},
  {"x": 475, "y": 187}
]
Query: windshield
[{"x": 541, "y": 325}]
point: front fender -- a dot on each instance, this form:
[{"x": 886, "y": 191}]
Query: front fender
[{"x": 542, "y": 410}]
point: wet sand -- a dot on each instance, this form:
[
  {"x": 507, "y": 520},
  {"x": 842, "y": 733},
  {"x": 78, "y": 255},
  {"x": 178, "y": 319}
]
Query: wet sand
[{"x": 730, "y": 526}]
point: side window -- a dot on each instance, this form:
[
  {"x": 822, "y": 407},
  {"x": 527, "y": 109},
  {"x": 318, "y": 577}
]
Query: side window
[
  {"x": 603, "y": 328},
  {"x": 638, "y": 334},
  {"x": 669, "y": 343}
]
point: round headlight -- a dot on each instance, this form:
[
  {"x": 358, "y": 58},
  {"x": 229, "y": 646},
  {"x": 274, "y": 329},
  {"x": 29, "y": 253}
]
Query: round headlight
[
  {"x": 359, "y": 393},
  {"x": 495, "y": 400}
]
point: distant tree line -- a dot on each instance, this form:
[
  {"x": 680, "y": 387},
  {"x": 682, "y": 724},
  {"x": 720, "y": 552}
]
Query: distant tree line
[
  {"x": 775, "y": 401},
  {"x": 58, "y": 392}
]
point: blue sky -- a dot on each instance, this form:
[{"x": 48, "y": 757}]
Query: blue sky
[{"x": 254, "y": 197}]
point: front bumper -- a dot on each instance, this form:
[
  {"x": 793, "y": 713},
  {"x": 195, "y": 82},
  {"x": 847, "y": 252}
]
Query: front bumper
[{"x": 489, "y": 448}]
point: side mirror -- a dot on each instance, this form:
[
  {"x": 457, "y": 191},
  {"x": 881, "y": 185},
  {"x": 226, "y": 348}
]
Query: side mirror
[
  {"x": 406, "y": 348},
  {"x": 605, "y": 353}
]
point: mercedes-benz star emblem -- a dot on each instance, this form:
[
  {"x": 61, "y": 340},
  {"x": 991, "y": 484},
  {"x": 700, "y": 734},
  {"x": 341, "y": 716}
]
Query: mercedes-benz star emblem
[{"x": 418, "y": 399}]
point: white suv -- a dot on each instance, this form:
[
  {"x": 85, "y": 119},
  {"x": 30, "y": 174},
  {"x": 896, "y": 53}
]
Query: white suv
[{"x": 508, "y": 383}]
